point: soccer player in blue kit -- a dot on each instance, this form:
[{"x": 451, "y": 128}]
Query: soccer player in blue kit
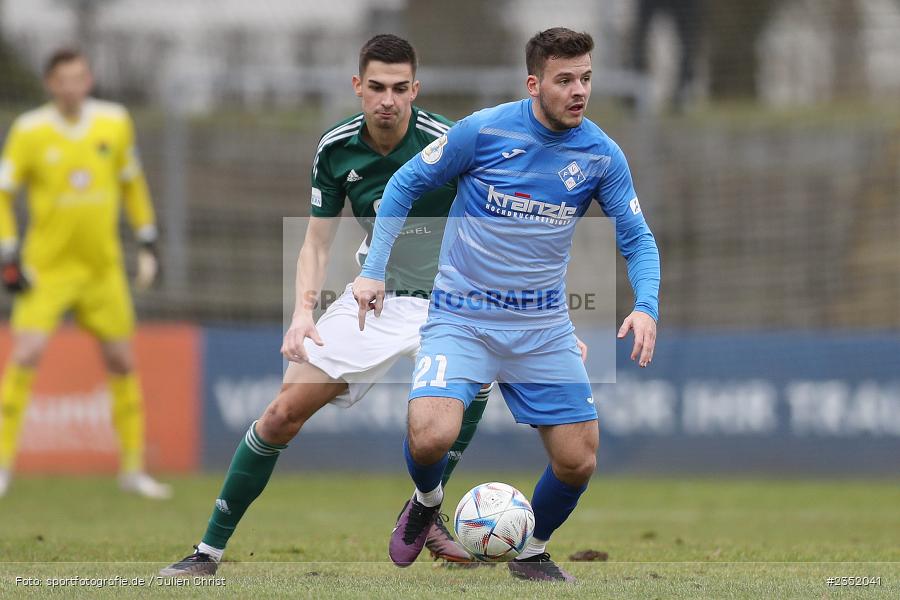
[{"x": 527, "y": 170}]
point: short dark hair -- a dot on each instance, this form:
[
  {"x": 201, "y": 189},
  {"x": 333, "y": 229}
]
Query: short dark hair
[
  {"x": 387, "y": 48},
  {"x": 557, "y": 42},
  {"x": 60, "y": 56}
]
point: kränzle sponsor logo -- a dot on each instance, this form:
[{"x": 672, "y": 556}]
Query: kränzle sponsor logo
[{"x": 522, "y": 205}]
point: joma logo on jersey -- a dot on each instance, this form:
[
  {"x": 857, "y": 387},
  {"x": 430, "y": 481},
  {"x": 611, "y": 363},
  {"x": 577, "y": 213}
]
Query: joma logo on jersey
[{"x": 525, "y": 205}]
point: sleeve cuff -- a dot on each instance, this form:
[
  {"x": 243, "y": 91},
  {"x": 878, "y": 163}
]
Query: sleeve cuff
[
  {"x": 146, "y": 234},
  {"x": 8, "y": 248},
  {"x": 372, "y": 274},
  {"x": 647, "y": 309}
]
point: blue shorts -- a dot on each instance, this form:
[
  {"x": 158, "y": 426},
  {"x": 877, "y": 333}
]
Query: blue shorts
[{"x": 540, "y": 371}]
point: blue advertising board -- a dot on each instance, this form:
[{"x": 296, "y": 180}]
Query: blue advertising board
[{"x": 818, "y": 404}]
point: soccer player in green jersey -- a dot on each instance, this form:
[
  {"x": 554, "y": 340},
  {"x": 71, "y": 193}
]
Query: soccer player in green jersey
[{"x": 332, "y": 360}]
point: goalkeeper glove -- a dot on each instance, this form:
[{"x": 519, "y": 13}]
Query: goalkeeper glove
[
  {"x": 14, "y": 279},
  {"x": 147, "y": 266}
]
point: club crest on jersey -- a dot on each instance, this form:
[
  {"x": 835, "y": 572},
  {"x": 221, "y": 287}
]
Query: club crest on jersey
[
  {"x": 80, "y": 179},
  {"x": 433, "y": 151},
  {"x": 572, "y": 175}
]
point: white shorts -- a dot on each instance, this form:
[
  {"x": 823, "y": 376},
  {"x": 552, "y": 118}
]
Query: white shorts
[{"x": 362, "y": 358}]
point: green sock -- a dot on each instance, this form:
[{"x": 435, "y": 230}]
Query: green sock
[
  {"x": 470, "y": 421},
  {"x": 251, "y": 467}
]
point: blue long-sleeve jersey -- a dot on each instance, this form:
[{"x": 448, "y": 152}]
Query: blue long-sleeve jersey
[{"x": 521, "y": 190}]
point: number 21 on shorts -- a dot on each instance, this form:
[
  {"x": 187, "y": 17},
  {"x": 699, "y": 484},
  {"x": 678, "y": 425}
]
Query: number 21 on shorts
[{"x": 423, "y": 368}]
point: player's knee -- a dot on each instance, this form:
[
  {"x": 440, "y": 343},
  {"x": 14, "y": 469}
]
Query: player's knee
[
  {"x": 28, "y": 355},
  {"x": 589, "y": 466},
  {"x": 278, "y": 426},
  {"x": 576, "y": 470},
  {"x": 281, "y": 422},
  {"x": 118, "y": 361},
  {"x": 119, "y": 366},
  {"x": 428, "y": 444}
]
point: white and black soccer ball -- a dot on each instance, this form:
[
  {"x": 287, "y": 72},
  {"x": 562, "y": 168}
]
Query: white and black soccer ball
[{"x": 494, "y": 521}]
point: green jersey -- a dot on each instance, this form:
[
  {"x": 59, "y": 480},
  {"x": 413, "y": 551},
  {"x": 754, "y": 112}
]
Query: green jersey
[{"x": 346, "y": 166}]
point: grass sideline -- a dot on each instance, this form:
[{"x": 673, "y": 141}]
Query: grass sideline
[{"x": 320, "y": 535}]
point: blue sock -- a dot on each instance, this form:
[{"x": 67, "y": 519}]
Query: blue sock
[
  {"x": 553, "y": 501},
  {"x": 426, "y": 477}
]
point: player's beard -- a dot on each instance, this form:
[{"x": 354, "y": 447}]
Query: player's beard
[
  {"x": 70, "y": 107},
  {"x": 555, "y": 118}
]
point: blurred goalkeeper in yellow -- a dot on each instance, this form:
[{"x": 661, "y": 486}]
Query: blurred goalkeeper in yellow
[{"x": 76, "y": 157}]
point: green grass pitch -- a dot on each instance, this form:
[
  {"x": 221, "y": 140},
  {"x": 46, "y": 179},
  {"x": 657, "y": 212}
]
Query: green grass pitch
[{"x": 325, "y": 536}]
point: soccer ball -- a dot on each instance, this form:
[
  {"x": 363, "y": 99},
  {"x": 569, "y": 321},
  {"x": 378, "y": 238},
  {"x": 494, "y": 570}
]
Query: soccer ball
[{"x": 494, "y": 522}]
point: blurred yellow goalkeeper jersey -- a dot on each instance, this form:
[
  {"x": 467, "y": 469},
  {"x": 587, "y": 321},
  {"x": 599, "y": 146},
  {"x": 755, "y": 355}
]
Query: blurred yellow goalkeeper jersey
[{"x": 77, "y": 174}]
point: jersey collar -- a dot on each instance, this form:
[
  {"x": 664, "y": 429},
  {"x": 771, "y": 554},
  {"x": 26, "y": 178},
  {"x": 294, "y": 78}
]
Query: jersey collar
[
  {"x": 360, "y": 141},
  {"x": 69, "y": 129},
  {"x": 547, "y": 136}
]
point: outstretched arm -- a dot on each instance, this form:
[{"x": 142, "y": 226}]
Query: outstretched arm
[
  {"x": 311, "y": 268},
  {"x": 638, "y": 247},
  {"x": 13, "y": 174},
  {"x": 138, "y": 209}
]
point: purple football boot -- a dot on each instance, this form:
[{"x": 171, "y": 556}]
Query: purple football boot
[{"x": 411, "y": 531}]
